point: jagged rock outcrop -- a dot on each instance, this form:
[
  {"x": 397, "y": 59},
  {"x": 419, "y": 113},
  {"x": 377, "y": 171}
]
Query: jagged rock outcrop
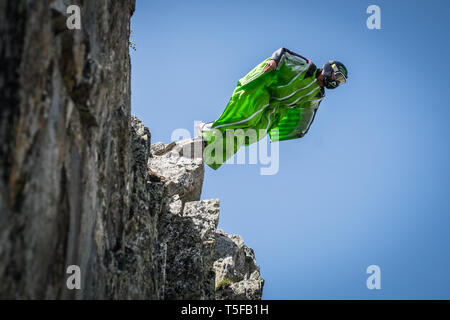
[
  {"x": 194, "y": 255},
  {"x": 186, "y": 225},
  {"x": 80, "y": 182},
  {"x": 237, "y": 275}
]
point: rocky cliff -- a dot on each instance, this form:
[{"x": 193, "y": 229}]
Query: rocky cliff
[{"x": 80, "y": 182}]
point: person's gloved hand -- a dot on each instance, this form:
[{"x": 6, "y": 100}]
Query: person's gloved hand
[{"x": 270, "y": 65}]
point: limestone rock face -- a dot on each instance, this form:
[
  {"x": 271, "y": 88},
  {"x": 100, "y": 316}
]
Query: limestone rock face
[
  {"x": 183, "y": 175},
  {"x": 64, "y": 149},
  {"x": 80, "y": 182},
  {"x": 187, "y": 249}
]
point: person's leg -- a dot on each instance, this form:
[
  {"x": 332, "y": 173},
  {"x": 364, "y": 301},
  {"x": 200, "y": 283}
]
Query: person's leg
[
  {"x": 248, "y": 100},
  {"x": 245, "y": 120}
]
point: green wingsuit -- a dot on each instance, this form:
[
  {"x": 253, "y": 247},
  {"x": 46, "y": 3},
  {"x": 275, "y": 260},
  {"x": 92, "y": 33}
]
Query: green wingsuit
[{"x": 280, "y": 102}]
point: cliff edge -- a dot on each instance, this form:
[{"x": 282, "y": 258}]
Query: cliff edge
[{"x": 82, "y": 185}]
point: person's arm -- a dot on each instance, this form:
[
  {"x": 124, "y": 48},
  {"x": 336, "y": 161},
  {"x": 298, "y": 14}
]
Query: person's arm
[
  {"x": 276, "y": 58},
  {"x": 305, "y": 131},
  {"x": 277, "y": 55}
]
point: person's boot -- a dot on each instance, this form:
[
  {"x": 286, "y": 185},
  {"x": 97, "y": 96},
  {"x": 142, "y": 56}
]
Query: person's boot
[
  {"x": 201, "y": 127},
  {"x": 192, "y": 148}
]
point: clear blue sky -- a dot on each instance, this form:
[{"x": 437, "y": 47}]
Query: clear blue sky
[{"x": 369, "y": 184}]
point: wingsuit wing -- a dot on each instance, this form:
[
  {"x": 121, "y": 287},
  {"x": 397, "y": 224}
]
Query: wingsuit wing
[{"x": 295, "y": 124}]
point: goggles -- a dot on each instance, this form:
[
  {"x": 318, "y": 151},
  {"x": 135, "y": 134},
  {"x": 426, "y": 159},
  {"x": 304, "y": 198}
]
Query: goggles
[{"x": 338, "y": 75}]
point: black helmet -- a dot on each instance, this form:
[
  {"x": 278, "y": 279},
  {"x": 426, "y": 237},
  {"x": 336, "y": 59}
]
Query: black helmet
[{"x": 340, "y": 74}]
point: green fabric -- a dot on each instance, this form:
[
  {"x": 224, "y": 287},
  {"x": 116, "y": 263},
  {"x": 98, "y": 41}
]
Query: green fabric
[{"x": 279, "y": 102}]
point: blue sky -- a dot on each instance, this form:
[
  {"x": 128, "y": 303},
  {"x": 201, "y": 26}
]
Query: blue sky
[{"x": 369, "y": 184}]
